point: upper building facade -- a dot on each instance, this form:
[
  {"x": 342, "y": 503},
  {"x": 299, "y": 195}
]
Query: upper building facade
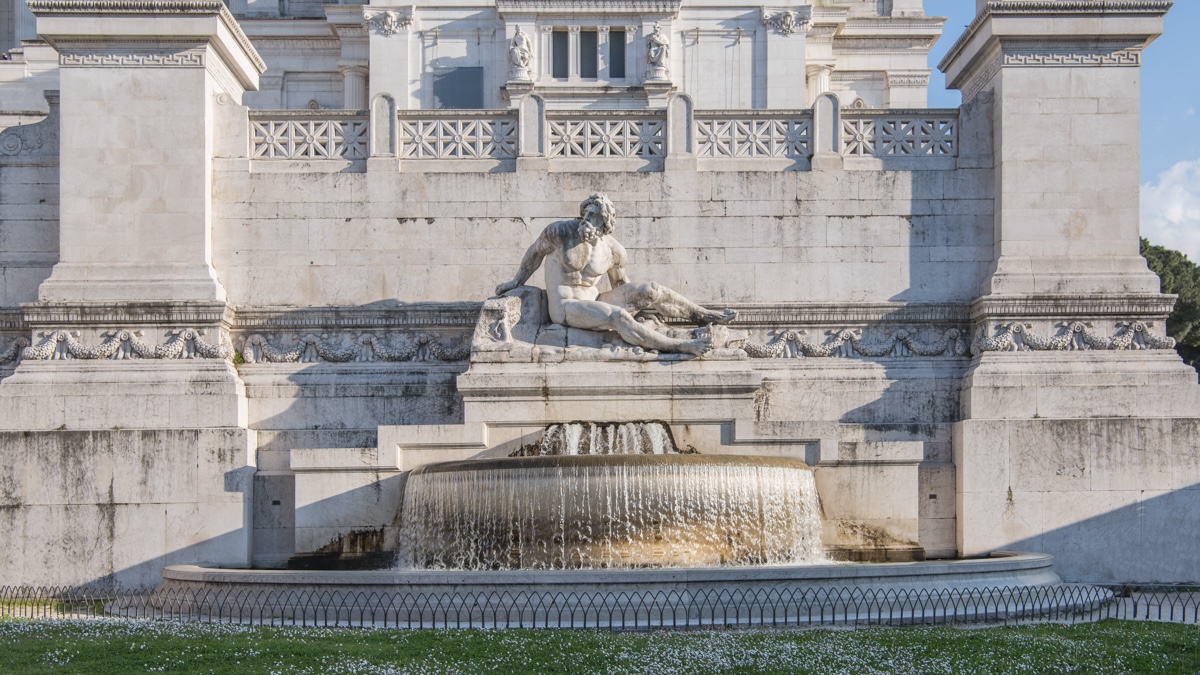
[{"x": 575, "y": 54}]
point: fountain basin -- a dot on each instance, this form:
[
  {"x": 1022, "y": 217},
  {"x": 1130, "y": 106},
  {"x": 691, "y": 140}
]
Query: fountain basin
[
  {"x": 999, "y": 586},
  {"x": 624, "y": 511}
]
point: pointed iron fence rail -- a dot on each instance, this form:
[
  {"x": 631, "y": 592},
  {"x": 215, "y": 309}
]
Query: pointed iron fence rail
[{"x": 664, "y": 609}]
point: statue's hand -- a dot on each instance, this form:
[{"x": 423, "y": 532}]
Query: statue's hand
[{"x": 506, "y": 287}]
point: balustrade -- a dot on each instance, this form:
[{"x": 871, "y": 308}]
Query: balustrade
[{"x": 611, "y": 134}]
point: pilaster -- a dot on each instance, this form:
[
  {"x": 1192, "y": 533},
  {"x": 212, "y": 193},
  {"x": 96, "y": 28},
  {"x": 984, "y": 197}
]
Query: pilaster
[
  {"x": 390, "y": 39},
  {"x": 785, "y": 64}
]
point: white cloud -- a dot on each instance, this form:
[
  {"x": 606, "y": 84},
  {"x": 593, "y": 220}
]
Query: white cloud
[{"x": 1171, "y": 209}]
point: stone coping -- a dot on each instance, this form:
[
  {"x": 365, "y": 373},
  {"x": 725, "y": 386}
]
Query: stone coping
[
  {"x": 589, "y": 461},
  {"x": 1002, "y": 568}
]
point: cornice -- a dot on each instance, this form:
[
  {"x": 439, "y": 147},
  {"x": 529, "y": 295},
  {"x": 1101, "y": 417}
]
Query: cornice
[
  {"x": 659, "y": 7},
  {"x": 150, "y": 8},
  {"x": 56, "y": 314},
  {"x": 1058, "y": 306},
  {"x": 1053, "y": 8}
]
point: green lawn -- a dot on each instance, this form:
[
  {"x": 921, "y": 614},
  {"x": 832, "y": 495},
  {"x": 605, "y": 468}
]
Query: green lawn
[{"x": 136, "y": 647}]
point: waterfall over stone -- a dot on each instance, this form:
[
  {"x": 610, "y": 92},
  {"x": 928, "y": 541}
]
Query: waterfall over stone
[{"x": 614, "y": 496}]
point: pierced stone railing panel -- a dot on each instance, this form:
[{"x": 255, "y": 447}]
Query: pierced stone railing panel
[
  {"x": 296, "y": 134},
  {"x": 903, "y": 133},
  {"x": 621, "y": 134},
  {"x": 738, "y": 134},
  {"x": 457, "y": 134}
]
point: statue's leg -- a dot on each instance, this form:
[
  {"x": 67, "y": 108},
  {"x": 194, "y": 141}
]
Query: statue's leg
[
  {"x": 594, "y": 315},
  {"x": 655, "y": 296}
]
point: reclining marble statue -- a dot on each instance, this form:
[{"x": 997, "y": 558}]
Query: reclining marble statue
[{"x": 578, "y": 254}]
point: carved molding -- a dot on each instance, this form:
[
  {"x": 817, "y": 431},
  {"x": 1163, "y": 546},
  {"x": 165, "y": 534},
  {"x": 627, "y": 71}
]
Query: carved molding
[
  {"x": 1032, "y": 8},
  {"x": 982, "y": 77},
  {"x": 914, "y": 78},
  {"x": 851, "y": 342},
  {"x": 639, "y": 7},
  {"x": 151, "y": 8},
  {"x": 1071, "y": 336},
  {"x": 184, "y": 343},
  {"x": 1146, "y": 307},
  {"x": 126, "y": 6},
  {"x": 310, "y": 348}
]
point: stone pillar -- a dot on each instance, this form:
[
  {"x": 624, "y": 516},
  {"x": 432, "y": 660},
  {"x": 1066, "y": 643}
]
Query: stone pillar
[
  {"x": 1065, "y": 82},
  {"x": 351, "y": 29},
  {"x": 136, "y": 165},
  {"x": 354, "y": 85},
  {"x": 818, "y": 80},
  {"x": 390, "y": 41},
  {"x": 785, "y": 60},
  {"x": 1075, "y": 403}
]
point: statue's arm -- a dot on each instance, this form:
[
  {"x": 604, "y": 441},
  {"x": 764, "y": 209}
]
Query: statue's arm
[
  {"x": 542, "y": 247},
  {"x": 616, "y": 273}
]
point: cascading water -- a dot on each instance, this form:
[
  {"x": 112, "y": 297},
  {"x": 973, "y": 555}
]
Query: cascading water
[
  {"x": 631, "y": 501},
  {"x": 592, "y": 438}
]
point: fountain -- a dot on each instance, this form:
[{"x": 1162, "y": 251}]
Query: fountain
[
  {"x": 609, "y": 496},
  {"x": 568, "y": 523}
]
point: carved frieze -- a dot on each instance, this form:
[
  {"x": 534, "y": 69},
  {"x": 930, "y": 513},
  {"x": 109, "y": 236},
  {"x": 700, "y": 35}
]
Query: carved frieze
[
  {"x": 310, "y": 348},
  {"x": 183, "y": 343},
  {"x": 852, "y": 342},
  {"x": 1070, "y": 336},
  {"x": 132, "y": 57}
]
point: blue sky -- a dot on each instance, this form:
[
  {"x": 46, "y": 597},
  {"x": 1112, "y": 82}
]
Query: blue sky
[{"x": 1170, "y": 162}]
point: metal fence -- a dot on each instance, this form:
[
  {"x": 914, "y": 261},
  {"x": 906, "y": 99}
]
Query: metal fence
[{"x": 712, "y": 608}]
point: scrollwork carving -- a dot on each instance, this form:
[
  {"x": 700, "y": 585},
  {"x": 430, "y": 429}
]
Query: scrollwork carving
[
  {"x": 119, "y": 345},
  {"x": 13, "y": 351}
]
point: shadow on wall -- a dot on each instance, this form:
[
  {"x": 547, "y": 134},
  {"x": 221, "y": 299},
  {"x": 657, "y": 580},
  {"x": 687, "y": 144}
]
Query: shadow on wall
[
  {"x": 1156, "y": 535},
  {"x": 100, "y": 508}
]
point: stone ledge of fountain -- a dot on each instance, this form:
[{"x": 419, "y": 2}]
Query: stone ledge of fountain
[{"x": 1000, "y": 569}]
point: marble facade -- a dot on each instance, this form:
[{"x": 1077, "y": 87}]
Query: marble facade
[{"x": 246, "y": 253}]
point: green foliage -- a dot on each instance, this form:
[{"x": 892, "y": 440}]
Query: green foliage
[
  {"x": 1181, "y": 277},
  {"x": 158, "y": 646}
]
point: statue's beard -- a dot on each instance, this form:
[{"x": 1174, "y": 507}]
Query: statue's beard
[{"x": 589, "y": 234}]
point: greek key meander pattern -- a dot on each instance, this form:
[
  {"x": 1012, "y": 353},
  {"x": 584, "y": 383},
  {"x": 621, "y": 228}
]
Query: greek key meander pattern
[
  {"x": 632, "y": 138},
  {"x": 185, "y": 343},
  {"x": 877, "y": 136},
  {"x": 192, "y": 58},
  {"x": 461, "y": 138},
  {"x": 732, "y": 137},
  {"x": 1122, "y": 57},
  {"x": 308, "y": 139},
  {"x": 309, "y": 348},
  {"x": 1071, "y": 336}
]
